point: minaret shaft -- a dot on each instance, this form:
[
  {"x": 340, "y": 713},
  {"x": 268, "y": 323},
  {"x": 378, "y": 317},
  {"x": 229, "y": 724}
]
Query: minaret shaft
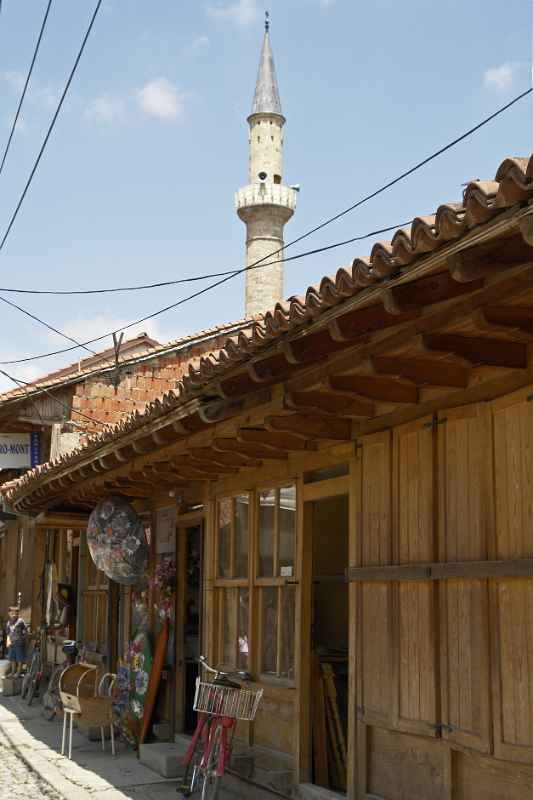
[{"x": 265, "y": 205}]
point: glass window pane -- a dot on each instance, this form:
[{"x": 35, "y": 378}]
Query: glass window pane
[
  {"x": 287, "y": 530},
  {"x": 229, "y": 626},
  {"x": 224, "y": 538},
  {"x": 242, "y": 649},
  {"x": 287, "y": 632},
  {"x": 269, "y": 626},
  {"x": 267, "y": 514},
  {"x": 241, "y": 536}
]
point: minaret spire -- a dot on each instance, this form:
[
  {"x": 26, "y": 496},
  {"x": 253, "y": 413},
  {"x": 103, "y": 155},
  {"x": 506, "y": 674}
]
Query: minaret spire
[
  {"x": 266, "y": 98},
  {"x": 265, "y": 205}
]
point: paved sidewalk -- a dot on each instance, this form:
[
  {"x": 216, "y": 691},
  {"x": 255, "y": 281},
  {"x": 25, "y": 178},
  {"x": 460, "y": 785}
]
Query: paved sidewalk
[{"x": 28, "y": 740}]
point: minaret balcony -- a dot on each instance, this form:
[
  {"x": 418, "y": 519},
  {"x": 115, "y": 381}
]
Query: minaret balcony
[{"x": 263, "y": 194}]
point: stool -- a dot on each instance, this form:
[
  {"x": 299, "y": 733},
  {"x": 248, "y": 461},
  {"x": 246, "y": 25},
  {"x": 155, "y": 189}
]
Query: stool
[{"x": 71, "y": 713}]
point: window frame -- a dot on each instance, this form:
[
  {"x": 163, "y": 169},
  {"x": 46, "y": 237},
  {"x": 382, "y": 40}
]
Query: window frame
[{"x": 255, "y": 584}]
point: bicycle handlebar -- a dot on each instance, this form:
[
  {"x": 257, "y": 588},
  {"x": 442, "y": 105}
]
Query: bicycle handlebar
[{"x": 242, "y": 674}]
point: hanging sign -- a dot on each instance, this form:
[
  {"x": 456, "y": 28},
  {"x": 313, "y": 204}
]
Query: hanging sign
[
  {"x": 19, "y": 450},
  {"x": 166, "y": 530}
]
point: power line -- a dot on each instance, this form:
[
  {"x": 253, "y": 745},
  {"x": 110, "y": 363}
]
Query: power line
[
  {"x": 38, "y": 159},
  {"x": 21, "y": 383},
  {"x": 51, "y": 126},
  {"x": 207, "y": 276},
  {"x": 328, "y": 221},
  {"x": 23, "y": 95},
  {"x": 46, "y": 325}
]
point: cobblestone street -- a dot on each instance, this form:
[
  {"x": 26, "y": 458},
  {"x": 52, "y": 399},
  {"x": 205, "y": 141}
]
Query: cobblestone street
[{"x": 17, "y": 780}]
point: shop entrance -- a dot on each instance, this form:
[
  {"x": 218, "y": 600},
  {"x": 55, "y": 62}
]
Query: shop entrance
[
  {"x": 188, "y": 619},
  {"x": 329, "y": 522}
]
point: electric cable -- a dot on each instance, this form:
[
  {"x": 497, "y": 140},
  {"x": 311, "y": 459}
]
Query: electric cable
[
  {"x": 300, "y": 238},
  {"x": 28, "y": 76},
  {"x": 22, "y": 384},
  {"x": 207, "y": 276}
]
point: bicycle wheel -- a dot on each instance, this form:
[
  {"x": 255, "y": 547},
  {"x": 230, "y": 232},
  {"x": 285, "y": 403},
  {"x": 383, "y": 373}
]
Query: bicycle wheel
[
  {"x": 33, "y": 690},
  {"x": 211, "y": 783}
]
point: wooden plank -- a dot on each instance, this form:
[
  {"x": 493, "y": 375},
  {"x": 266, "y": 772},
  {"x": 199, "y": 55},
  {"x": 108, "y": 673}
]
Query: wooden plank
[
  {"x": 423, "y": 370},
  {"x": 320, "y": 748},
  {"x": 330, "y": 403},
  {"x": 281, "y": 441},
  {"x": 465, "y": 531},
  {"x": 376, "y": 387},
  {"x": 480, "y": 349},
  {"x": 303, "y": 617},
  {"x": 511, "y": 600},
  {"x": 313, "y": 427},
  {"x": 513, "y": 568},
  {"x": 415, "y": 678}
]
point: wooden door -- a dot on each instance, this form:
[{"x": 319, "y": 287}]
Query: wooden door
[
  {"x": 465, "y": 533},
  {"x": 414, "y": 541},
  {"x": 512, "y": 598},
  {"x": 374, "y": 600}
]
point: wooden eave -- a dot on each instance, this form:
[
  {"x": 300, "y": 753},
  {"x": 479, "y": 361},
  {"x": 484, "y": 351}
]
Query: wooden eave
[{"x": 456, "y": 326}]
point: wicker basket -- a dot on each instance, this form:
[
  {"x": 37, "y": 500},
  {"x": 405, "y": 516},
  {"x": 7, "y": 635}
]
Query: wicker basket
[
  {"x": 78, "y": 689},
  {"x": 225, "y": 701}
]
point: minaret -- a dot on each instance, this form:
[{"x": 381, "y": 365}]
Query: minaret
[{"x": 265, "y": 205}]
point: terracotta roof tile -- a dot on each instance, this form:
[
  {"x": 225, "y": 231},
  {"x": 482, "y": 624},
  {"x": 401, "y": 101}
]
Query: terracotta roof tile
[{"x": 482, "y": 200}]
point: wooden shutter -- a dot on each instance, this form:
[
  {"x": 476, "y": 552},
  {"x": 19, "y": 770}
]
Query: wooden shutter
[
  {"x": 374, "y": 606},
  {"x": 512, "y": 598},
  {"x": 415, "y": 608},
  {"x": 466, "y": 522}
]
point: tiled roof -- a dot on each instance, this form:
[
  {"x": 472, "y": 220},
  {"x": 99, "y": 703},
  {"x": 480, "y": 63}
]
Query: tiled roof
[
  {"x": 482, "y": 201},
  {"x": 80, "y": 370}
]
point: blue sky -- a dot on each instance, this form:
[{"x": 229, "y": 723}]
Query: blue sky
[{"x": 137, "y": 182}]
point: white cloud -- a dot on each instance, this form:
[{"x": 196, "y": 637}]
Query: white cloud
[
  {"x": 21, "y": 126},
  {"x": 105, "y": 109},
  {"x": 242, "y": 12},
  {"x": 15, "y": 80},
  {"x": 161, "y": 99},
  {"x": 499, "y": 77},
  {"x": 200, "y": 43},
  {"x": 84, "y": 329}
]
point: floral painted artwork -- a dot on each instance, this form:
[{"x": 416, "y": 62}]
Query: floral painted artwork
[
  {"x": 117, "y": 541},
  {"x": 140, "y": 658},
  {"x": 163, "y": 583}
]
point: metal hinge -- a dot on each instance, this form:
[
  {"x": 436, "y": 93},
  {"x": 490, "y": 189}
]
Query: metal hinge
[
  {"x": 443, "y": 727},
  {"x": 529, "y": 398},
  {"x": 435, "y": 422},
  {"x": 360, "y": 712}
]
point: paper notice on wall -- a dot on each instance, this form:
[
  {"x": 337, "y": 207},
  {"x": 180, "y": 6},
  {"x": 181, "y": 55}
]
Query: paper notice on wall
[{"x": 165, "y": 534}]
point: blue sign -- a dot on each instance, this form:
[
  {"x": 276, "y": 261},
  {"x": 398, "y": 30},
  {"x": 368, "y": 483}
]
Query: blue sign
[{"x": 35, "y": 449}]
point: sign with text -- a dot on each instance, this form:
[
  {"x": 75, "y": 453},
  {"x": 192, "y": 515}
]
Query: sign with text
[{"x": 19, "y": 450}]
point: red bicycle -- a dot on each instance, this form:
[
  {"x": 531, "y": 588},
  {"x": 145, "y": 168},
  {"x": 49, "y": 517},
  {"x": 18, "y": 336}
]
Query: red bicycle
[{"x": 219, "y": 703}]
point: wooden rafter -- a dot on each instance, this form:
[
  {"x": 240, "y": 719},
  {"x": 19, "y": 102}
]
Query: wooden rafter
[
  {"x": 313, "y": 427},
  {"x": 424, "y": 371},
  {"x": 225, "y": 459},
  {"x": 248, "y": 449},
  {"x": 376, "y": 387},
  {"x": 480, "y": 349},
  {"x": 280, "y": 441},
  {"x": 518, "y": 317},
  {"x": 330, "y": 403}
]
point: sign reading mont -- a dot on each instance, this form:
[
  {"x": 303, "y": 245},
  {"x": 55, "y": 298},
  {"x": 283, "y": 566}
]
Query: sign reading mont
[{"x": 19, "y": 450}]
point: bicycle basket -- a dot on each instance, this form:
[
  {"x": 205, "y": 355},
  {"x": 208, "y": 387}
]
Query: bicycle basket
[{"x": 225, "y": 701}]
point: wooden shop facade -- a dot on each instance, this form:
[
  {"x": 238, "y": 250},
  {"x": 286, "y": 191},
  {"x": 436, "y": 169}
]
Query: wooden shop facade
[{"x": 348, "y": 495}]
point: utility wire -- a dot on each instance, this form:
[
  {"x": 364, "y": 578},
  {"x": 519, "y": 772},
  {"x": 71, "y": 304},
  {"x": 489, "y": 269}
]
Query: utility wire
[
  {"x": 46, "y": 325},
  {"x": 308, "y": 233},
  {"x": 23, "y": 95},
  {"x": 51, "y": 126},
  {"x": 207, "y": 276},
  {"x": 39, "y": 156},
  {"x": 22, "y": 384}
]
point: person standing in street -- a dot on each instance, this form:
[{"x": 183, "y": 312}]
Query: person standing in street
[{"x": 17, "y": 634}]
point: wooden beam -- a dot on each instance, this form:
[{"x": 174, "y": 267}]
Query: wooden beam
[
  {"x": 526, "y": 229},
  {"x": 437, "y": 571},
  {"x": 280, "y": 441},
  {"x": 208, "y": 465},
  {"x": 430, "y": 290},
  {"x": 253, "y": 451},
  {"x": 424, "y": 371},
  {"x": 312, "y": 427},
  {"x": 330, "y": 403},
  {"x": 520, "y": 317},
  {"x": 227, "y": 459},
  {"x": 480, "y": 349},
  {"x": 376, "y": 387}
]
